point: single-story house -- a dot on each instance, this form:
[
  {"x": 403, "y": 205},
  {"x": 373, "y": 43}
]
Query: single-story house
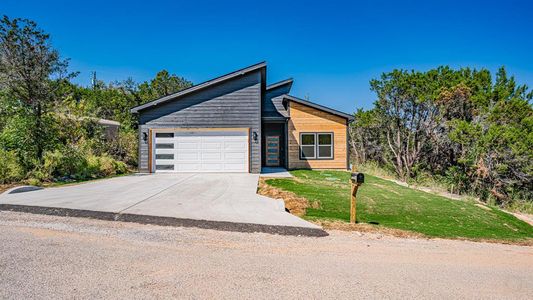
[{"x": 238, "y": 123}]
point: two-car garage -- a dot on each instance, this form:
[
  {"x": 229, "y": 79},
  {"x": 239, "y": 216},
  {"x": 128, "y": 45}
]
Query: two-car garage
[{"x": 200, "y": 150}]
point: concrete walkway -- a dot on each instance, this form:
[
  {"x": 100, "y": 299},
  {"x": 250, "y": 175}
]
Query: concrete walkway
[
  {"x": 206, "y": 196},
  {"x": 275, "y": 172}
]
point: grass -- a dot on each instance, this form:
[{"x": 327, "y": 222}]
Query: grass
[{"x": 391, "y": 205}]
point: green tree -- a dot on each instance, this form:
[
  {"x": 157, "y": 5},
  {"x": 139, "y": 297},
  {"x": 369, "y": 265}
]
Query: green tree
[
  {"x": 162, "y": 85},
  {"x": 30, "y": 70}
]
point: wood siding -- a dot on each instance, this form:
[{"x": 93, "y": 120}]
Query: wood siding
[
  {"x": 230, "y": 104},
  {"x": 272, "y": 106},
  {"x": 307, "y": 119}
]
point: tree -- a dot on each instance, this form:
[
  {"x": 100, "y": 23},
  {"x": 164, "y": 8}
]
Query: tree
[
  {"x": 162, "y": 85},
  {"x": 365, "y": 137},
  {"x": 30, "y": 70},
  {"x": 459, "y": 125},
  {"x": 407, "y": 115}
]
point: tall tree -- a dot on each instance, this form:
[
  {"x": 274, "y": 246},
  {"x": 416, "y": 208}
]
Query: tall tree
[
  {"x": 30, "y": 70},
  {"x": 408, "y": 116},
  {"x": 162, "y": 85}
]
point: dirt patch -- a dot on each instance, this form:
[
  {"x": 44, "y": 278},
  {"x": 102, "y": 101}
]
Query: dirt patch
[
  {"x": 363, "y": 227},
  {"x": 5, "y": 187},
  {"x": 528, "y": 218},
  {"x": 294, "y": 204},
  {"x": 376, "y": 229}
]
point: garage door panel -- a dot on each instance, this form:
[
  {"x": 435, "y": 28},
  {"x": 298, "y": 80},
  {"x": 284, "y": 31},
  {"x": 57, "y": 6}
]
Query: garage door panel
[
  {"x": 214, "y": 167},
  {"x": 202, "y": 151},
  {"x": 187, "y": 145},
  {"x": 212, "y": 145},
  {"x": 239, "y": 156},
  {"x": 164, "y": 167},
  {"x": 235, "y": 145},
  {"x": 187, "y": 156},
  {"x": 164, "y": 156},
  {"x": 212, "y": 156},
  {"x": 188, "y": 167},
  {"x": 234, "y": 167}
]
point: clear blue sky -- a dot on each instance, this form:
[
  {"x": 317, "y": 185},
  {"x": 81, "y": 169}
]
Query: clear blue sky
[{"x": 331, "y": 48}]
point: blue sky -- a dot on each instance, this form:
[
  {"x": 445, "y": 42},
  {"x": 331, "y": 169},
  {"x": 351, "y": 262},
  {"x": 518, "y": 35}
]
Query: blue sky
[{"x": 331, "y": 48}]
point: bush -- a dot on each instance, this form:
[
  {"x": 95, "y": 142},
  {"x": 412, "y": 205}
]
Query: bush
[
  {"x": 75, "y": 163},
  {"x": 10, "y": 168},
  {"x": 66, "y": 162},
  {"x": 124, "y": 147}
]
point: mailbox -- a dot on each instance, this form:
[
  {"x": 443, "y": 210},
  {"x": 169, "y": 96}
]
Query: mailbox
[{"x": 358, "y": 177}]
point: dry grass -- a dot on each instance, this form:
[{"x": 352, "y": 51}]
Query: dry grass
[
  {"x": 370, "y": 228},
  {"x": 294, "y": 204},
  {"x": 5, "y": 187},
  {"x": 364, "y": 227}
]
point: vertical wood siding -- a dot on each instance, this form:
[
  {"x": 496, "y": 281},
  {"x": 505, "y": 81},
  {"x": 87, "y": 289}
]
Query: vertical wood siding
[{"x": 308, "y": 119}]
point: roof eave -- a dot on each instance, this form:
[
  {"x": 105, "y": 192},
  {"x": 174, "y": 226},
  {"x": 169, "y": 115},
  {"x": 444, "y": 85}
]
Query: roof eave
[
  {"x": 280, "y": 83},
  {"x": 199, "y": 86},
  {"x": 346, "y": 116}
]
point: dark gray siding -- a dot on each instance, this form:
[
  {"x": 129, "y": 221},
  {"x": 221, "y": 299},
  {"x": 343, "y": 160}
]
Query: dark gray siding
[
  {"x": 273, "y": 107},
  {"x": 230, "y": 104}
]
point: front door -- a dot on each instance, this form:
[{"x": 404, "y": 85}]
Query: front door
[{"x": 272, "y": 151}]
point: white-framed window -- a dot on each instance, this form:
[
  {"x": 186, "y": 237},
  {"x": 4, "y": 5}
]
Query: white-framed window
[{"x": 316, "y": 145}]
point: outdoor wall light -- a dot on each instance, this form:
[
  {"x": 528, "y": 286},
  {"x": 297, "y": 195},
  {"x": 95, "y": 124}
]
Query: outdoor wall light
[
  {"x": 254, "y": 136},
  {"x": 145, "y": 137}
]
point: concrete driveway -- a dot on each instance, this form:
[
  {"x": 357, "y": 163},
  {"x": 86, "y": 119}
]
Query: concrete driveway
[{"x": 207, "y": 196}]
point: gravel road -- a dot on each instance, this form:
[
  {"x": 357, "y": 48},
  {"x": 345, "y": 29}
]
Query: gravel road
[{"x": 58, "y": 257}]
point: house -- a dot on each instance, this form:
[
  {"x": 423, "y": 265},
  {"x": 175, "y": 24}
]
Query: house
[{"x": 236, "y": 123}]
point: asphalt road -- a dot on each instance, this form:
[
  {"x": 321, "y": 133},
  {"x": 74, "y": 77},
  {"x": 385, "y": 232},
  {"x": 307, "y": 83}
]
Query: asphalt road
[{"x": 59, "y": 257}]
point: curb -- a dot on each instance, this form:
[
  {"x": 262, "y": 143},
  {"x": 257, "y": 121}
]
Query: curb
[
  {"x": 21, "y": 189},
  {"x": 167, "y": 221}
]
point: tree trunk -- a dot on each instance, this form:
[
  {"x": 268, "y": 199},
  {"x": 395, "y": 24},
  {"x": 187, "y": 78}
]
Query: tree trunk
[{"x": 38, "y": 132}]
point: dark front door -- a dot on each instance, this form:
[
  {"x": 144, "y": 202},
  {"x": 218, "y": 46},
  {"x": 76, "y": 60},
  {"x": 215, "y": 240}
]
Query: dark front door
[{"x": 272, "y": 151}]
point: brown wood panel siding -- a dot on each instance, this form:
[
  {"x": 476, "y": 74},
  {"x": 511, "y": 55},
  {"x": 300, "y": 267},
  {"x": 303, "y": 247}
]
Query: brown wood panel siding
[{"x": 307, "y": 119}]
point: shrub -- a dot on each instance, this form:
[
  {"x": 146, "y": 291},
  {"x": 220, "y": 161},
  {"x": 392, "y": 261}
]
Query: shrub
[
  {"x": 10, "y": 168},
  {"x": 124, "y": 147},
  {"x": 107, "y": 166},
  {"x": 66, "y": 162}
]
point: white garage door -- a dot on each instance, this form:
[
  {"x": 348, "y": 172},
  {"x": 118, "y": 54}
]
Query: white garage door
[{"x": 201, "y": 151}]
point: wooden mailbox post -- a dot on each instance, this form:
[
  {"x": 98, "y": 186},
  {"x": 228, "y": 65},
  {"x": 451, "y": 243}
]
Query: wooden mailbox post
[{"x": 356, "y": 180}]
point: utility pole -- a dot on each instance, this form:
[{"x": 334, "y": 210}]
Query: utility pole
[{"x": 93, "y": 80}]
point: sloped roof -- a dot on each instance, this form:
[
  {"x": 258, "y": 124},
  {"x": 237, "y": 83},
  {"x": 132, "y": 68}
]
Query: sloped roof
[
  {"x": 273, "y": 108},
  {"x": 319, "y": 107},
  {"x": 199, "y": 86},
  {"x": 280, "y": 83}
]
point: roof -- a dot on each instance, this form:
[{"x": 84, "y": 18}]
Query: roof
[
  {"x": 279, "y": 83},
  {"x": 108, "y": 122},
  {"x": 200, "y": 86},
  {"x": 319, "y": 107}
]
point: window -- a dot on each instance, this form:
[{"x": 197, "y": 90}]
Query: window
[
  {"x": 307, "y": 144},
  {"x": 325, "y": 145},
  {"x": 164, "y": 134},
  {"x": 316, "y": 145},
  {"x": 164, "y": 146},
  {"x": 164, "y": 156},
  {"x": 164, "y": 167}
]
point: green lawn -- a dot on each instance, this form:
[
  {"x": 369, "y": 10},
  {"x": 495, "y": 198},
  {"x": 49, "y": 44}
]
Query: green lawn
[{"x": 391, "y": 205}]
